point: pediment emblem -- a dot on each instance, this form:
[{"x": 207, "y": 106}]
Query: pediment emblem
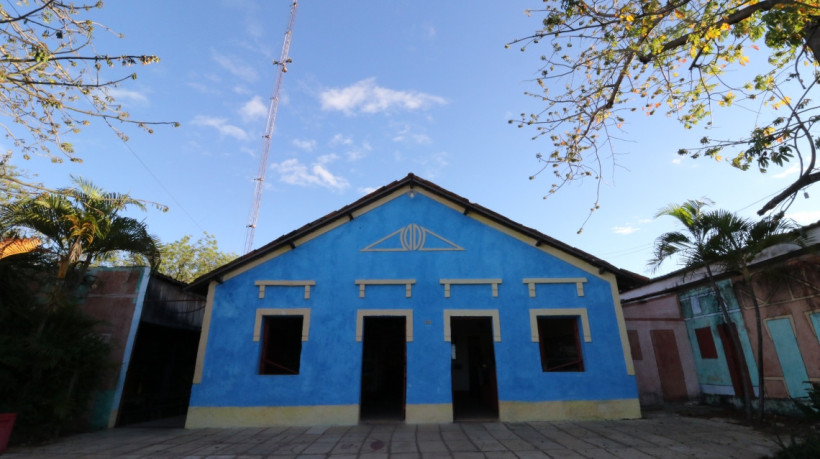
[{"x": 412, "y": 238}]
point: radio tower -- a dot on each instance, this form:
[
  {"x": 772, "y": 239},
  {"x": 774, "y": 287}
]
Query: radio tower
[{"x": 259, "y": 186}]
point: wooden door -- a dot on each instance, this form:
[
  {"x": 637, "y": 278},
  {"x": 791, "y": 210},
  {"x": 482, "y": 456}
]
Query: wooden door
[{"x": 670, "y": 370}]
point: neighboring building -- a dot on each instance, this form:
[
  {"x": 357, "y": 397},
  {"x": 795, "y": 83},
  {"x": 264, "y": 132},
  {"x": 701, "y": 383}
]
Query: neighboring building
[
  {"x": 152, "y": 326},
  {"x": 412, "y": 304},
  {"x": 696, "y": 359}
]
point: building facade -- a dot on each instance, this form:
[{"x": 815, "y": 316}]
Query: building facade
[{"x": 412, "y": 304}]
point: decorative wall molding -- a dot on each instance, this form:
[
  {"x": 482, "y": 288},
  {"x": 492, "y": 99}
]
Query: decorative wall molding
[
  {"x": 408, "y": 284},
  {"x": 492, "y": 313},
  {"x": 262, "y": 312},
  {"x": 578, "y": 281},
  {"x": 406, "y": 313},
  {"x": 284, "y": 283},
  {"x": 580, "y": 312},
  {"x": 448, "y": 282},
  {"x": 412, "y": 238}
]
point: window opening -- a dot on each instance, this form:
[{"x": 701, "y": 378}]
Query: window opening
[
  {"x": 560, "y": 344},
  {"x": 706, "y": 343},
  {"x": 281, "y": 345}
]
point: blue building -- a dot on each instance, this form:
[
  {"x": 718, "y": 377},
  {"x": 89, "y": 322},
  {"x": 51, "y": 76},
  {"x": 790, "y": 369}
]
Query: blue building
[{"x": 412, "y": 304}]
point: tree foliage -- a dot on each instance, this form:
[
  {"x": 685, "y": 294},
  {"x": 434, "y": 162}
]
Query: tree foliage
[
  {"x": 606, "y": 59},
  {"x": 185, "y": 260},
  {"x": 697, "y": 246},
  {"x": 182, "y": 259},
  {"x": 81, "y": 224},
  {"x": 52, "y": 82}
]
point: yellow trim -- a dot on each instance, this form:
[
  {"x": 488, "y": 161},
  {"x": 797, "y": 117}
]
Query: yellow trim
[
  {"x": 261, "y": 312},
  {"x": 582, "y": 410},
  {"x": 286, "y": 416},
  {"x": 492, "y": 313},
  {"x": 406, "y": 313},
  {"x": 438, "y": 413},
  {"x": 448, "y": 282},
  {"x": 580, "y": 312},
  {"x": 408, "y": 285},
  {"x": 284, "y": 283},
  {"x": 314, "y": 234},
  {"x": 203, "y": 336},
  {"x": 578, "y": 281},
  {"x": 619, "y": 316}
]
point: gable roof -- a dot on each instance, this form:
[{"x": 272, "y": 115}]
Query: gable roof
[{"x": 626, "y": 279}]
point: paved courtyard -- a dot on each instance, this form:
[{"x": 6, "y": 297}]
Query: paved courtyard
[{"x": 659, "y": 435}]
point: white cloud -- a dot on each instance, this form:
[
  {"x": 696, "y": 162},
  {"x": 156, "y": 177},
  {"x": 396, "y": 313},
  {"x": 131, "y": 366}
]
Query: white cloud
[
  {"x": 366, "y": 189},
  {"x": 794, "y": 170},
  {"x": 127, "y": 94},
  {"x": 203, "y": 88},
  {"x": 327, "y": 159},
  {"x": 805, "y": 217},
  {"x": 358, "y": 153},
  {"x": 405, "y": 135},
  {"x": 253, "y": 109},
  {"x": 628, "y": 229},
  {"x": 339, "y": 139},
  {"x": 365, "y": 97},
  {"x": 676, "y": 161},
  {"x": 221, "y": 125},
  {"x": 235, "y": 66},
  {"x": 307, "y": 145},
  {"x": 422, "y": 139},
  {"x": 293, "y": 172}
]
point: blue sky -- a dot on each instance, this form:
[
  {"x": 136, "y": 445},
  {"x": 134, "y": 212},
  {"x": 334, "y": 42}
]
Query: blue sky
[{"x": 376, "y": 90}]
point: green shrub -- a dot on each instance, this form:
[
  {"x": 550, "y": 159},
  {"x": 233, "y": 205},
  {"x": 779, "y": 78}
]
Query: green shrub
[{"x": 50, "y": 358}]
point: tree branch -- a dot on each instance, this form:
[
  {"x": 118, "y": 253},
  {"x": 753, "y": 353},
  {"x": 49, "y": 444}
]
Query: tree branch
[{"x": 733, "y": 18}]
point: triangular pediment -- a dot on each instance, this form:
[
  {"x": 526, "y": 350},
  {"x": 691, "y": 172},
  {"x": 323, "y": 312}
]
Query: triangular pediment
[{"x": 412, "y": 238}]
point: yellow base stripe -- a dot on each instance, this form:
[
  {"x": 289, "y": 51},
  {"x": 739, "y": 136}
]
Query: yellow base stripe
[
  {"x": 583, "y": 410},
  {"x": 441, "y": 413}
]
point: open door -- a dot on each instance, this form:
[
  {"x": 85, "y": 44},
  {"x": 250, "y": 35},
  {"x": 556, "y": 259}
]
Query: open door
[
  {"x": 384, "y": 369},
  {"x": 475, "y": 392}
]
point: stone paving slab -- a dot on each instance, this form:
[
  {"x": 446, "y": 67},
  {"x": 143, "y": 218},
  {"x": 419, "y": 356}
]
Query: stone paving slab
[{"x": 659, "y": 435}]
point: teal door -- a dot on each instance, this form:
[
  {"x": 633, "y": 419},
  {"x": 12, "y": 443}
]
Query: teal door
[{"x": 788, "y": 353}]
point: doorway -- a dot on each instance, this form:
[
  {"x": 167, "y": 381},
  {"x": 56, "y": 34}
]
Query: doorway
[
  {"x": 472, "y": 364},
  {"x": 384, "y": 368},
  {"x": 670, "y": 370}
]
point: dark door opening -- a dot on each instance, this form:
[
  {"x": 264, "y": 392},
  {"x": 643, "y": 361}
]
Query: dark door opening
[
  {"x": 158, "y": 382},
  {"x": 384, "y": 369},
  {"x": 737, "y": 368},
  {"x": 475, "y": 392}
]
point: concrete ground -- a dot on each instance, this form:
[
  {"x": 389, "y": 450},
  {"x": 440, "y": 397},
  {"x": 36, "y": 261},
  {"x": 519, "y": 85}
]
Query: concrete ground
[{"x": 658, "y": 435}]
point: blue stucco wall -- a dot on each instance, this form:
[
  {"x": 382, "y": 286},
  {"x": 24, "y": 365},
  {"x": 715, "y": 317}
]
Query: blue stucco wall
[{"x": 331, "y": 358}]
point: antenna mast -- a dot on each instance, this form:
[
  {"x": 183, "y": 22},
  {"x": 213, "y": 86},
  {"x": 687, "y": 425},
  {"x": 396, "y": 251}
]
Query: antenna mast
[{"x": 259, "y": 186}]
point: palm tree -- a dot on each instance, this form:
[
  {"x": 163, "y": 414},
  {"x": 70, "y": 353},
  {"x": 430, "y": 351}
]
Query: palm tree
[
  {"x": 695, "y": 247},
  {"x": 81, "y": 224},
  {"x": 739, "y": 242}
]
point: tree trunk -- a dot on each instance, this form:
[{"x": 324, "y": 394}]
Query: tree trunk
[
  {"x": 811, "y": 35},
  {"x": 744, "y": 368},
  {"x": 747, "y": 276}
]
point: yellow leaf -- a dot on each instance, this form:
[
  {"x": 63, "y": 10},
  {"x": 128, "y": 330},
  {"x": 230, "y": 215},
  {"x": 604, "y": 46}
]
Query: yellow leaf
[{"x": 678, "y": 14}]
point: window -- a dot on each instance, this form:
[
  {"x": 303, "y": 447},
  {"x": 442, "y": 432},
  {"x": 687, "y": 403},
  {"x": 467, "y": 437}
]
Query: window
[
  {"x": 560, "y": 344},
  {"x": 706, "y": 343},
  {"x": 634, "y": 344},
  {"x": 281, "y": 345}
]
